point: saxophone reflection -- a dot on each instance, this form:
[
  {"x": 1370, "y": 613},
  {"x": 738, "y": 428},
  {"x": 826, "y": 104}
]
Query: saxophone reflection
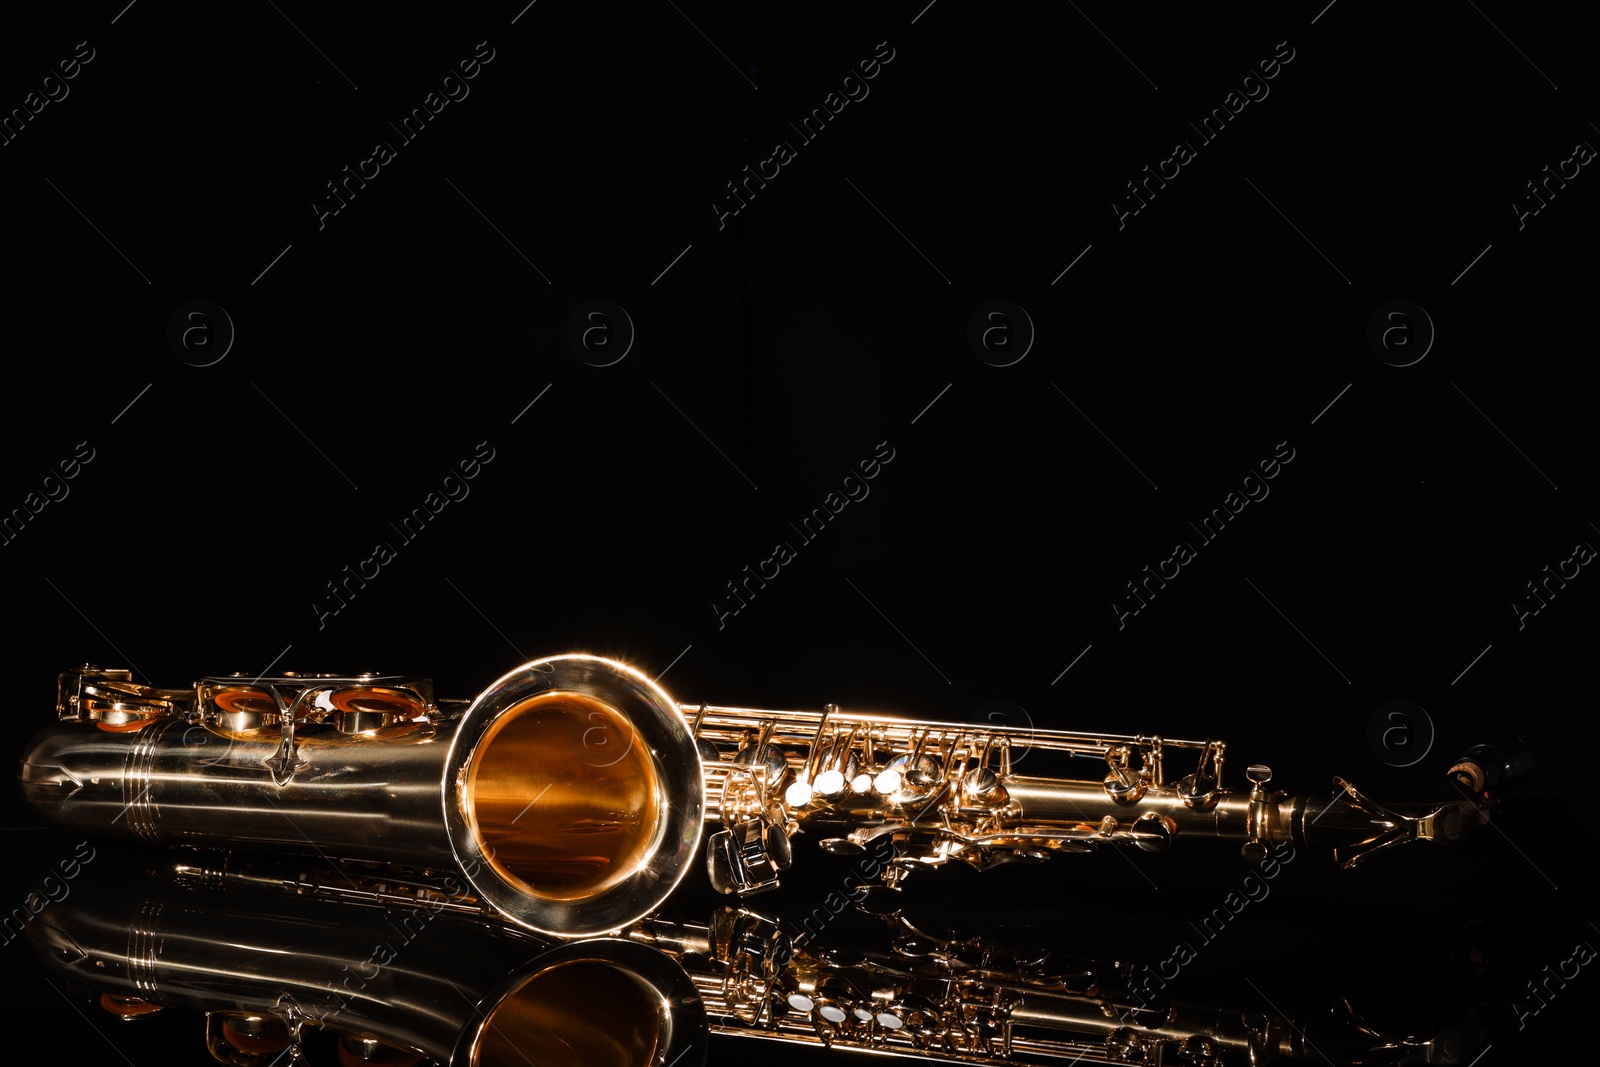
[
  {"x": 413, "y": 982},
  {"x": 972, "y": 1000},
  {"x": 416, "y": 975}
]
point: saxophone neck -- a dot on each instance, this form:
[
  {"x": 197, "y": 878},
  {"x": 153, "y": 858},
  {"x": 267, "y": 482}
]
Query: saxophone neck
[{"x": 1356, "y": 827}]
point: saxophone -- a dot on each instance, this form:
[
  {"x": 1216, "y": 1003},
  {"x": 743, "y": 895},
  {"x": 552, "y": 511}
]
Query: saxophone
[{"x": 573, "y": 792}]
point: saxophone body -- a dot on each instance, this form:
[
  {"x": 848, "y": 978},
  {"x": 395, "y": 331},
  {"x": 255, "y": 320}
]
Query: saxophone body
[{"x": 572, "y": 794}]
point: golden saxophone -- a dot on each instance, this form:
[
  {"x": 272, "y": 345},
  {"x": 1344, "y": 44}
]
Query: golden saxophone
[
  {"x": 572, "y": 792},
  {"x": 425, "y": 977}
]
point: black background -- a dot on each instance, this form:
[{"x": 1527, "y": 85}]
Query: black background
[{"x": 777, "y": 352}]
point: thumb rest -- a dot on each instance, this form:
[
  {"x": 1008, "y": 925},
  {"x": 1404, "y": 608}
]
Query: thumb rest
[
  {"x": 427, "y": 977},
  {"x": 572, "y": 792}
]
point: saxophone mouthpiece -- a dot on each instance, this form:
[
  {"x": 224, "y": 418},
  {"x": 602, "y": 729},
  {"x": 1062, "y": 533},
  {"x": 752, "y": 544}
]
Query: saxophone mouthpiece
[{"x": 1485, "y": 767}]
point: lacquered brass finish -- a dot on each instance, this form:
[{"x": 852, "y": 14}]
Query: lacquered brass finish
[{"x": 578, "y": 788}]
